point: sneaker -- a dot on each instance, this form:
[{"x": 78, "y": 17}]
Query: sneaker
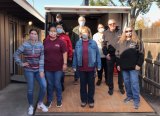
[
  {"x": 91, "y": 105},
  {"x": 59, "y": 104},
  {"x": 83, "y": 104},
  {"x": 48, "y": 104},
  {"x": 75, "y": 82},
  {"x": 136, "y": 106},
  {"x": 42, "y": 107},
  {"x": 98, "y": 82},
  {"x": 30, "y": 110},
  {"x": 122, "y": 91},
  {"x": 126, "y": 100},
  {"x": 110, "y": 92}
]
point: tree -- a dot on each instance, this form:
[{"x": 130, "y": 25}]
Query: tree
[
  {"x": 137, "y": 7},
  {"x": 99, "y": 2}
]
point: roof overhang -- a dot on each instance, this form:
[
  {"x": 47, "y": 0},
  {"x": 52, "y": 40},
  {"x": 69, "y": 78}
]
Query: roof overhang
[
  {"x": 23, "y": 11},
  {"x": 24, "y": 4},
  {"x": 87, "y": 9}
]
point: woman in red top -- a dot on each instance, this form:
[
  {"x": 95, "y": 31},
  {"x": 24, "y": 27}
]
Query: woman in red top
[
  {"x": 55, "y": 58},
  {"x": 68, "y": 43}
]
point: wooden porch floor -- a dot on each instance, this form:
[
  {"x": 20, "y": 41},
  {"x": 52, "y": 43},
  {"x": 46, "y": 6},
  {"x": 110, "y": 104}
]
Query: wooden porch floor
[{"x": 104, "y": 103}]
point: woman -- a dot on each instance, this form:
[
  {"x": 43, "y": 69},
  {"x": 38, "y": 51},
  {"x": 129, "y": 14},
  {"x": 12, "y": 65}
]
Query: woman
[
  {"x": 86, "y": 59},
  {"x": 66, "y": 39},
  {"x": 55, "y": 53},
  {"x": 33, "y": 65},
  {"x": 99, "y": 40},
  {"x": 131, "y": 57}
]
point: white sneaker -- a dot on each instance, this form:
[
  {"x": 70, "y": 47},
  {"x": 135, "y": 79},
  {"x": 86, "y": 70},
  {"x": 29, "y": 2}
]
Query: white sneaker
[
  {"x": 42, "y": 107},
  {"x": 30, "y": 110}
]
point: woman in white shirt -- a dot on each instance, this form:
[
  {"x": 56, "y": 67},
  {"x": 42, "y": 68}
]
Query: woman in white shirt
[{"x": 98, "y": 37}]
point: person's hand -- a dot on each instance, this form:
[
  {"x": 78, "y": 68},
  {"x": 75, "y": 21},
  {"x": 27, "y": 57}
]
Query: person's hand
[
  {"x": 70, "y": 58},
  {"x": 41, "y": 74},
  {"x": 74, "y": 69},
  {"x": 118, "y": 68},
  {"x": 26, "y": 64},
  {"x": 67, "y": 33},
  {"x": 137, "y": 67},
  {"x": 64, "y": 67},
  {"x": 108, "y": 57}
]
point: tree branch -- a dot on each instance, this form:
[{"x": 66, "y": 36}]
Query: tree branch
[{"x": 112, "y": 3}]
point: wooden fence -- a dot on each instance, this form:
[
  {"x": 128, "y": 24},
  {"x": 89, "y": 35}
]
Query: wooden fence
[{"x": 151, "y": 68}]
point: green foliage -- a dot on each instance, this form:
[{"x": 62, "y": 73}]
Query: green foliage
[{"x": 99, "y": 2}]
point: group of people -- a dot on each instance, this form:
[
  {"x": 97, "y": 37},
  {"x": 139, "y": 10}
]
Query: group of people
[{"x": 47, "y": 61}]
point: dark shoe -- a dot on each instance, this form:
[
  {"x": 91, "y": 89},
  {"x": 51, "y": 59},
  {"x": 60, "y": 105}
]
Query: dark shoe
[
  {"x": 91, "y": 105},
  {"x": 106, "y": 83},
  {"x": 59, "y": 104},
  {"x": 98, "y": 82},
  {"x": 62, "y": 87},
  {"x": 75, "y": 82},
  {"x": 126, "y": 100},
  {"x": 110, "y": 92},
  {"x": 48, "y": 104},
  {"x": 122, "y": 91},
  {"x": 83, "y": 104}
]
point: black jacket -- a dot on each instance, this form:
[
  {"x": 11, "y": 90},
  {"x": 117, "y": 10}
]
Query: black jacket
[{"x": 129, "y": 54}]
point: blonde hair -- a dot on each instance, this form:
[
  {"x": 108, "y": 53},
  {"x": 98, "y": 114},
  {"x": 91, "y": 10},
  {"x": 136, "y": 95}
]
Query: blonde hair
[
  {"x": 86, "y": 29},
  {"x": 134, "y": 37}
]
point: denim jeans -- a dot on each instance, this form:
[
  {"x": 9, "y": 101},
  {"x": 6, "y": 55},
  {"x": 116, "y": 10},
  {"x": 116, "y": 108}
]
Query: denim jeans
[
  {"x": 30, "y": 77},
  {"x": 76, "y": 74},
  {"x": 87, "y": 80},
  {"x": 131, "y": 81},
  {"x": 54, "y": 82}
]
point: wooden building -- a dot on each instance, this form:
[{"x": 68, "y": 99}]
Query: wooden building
[{"x": 16, "y": 18}]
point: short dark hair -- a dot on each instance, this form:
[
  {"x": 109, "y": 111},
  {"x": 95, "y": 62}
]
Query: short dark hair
[
  {"x": 33, "y": 30},
  {"x": 53, "y": 25}
]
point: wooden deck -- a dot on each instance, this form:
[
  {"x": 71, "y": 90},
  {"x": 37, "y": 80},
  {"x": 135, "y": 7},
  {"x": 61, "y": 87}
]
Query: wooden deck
[{"x": 104, "y": 103}]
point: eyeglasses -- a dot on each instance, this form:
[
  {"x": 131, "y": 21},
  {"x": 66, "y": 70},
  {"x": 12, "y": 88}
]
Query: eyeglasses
[{"x": 128, "y": 31}]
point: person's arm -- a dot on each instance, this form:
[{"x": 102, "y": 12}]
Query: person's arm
[
  {"x": 41, "y": 62},
  {"x": 64, "y": 52},
  {"x": 70, "y": 52},
  {"x": 64, "y": 61},
  {"x": 98, "y": 58},
  {"x": 73, "y": 39},
  {"x": 18, "y": 52}
]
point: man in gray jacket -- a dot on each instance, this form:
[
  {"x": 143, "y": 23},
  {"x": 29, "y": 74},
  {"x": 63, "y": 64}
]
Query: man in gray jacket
[{"x": 111, "y": 37}]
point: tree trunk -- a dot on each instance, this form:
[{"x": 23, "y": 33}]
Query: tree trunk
[{"x": 132, "y": 22}]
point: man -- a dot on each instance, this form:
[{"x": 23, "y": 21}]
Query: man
[
  {"x": 60, "y": 22},
  {"x": 74, "y": 38},
  {"x": 111, "y": 37}
]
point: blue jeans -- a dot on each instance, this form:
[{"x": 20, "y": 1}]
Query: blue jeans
[
  {"x": 131, "y": 81},
  {"x": 30, "y": 77},
  {"x": 54, "y": 82},
  {"x": 76, "y": 74},
  {"x": 87, "y": 80}
]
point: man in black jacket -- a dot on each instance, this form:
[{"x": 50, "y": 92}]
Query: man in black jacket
[{"x": 111, "y": 37}]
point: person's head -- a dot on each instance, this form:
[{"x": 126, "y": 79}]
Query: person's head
[
  {"x": 129, "y": 34},
  {"x": 33, "y": 34},
  {"x": 100, "y": 28},
  {"x": 59, "y": 28},
  {"x": 112, "y": 24},
  {"x": 58, "y": 17},
  {"x": 52, "y": 31},
  {"x": 85, "y": 33},
  {"x": 81, "y": 21}
]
